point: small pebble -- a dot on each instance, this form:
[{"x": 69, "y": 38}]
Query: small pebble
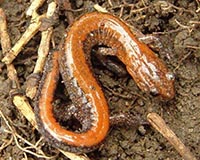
[{"x": 142, "y": 130}]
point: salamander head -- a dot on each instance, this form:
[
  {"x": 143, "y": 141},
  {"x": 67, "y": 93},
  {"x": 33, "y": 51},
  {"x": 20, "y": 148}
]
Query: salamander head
[
  {"x": 156, "y": 81},
  {"x": 165, "y": 88}
]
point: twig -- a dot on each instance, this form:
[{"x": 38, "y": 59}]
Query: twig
[
  {"x": 193, "y": 47},
  {"x": 159, "y": 124},
  {"x": 34, "y": 6},
  {"x": 194, "y": 22},
  {"x": 25, "y": 108},
  {"x": 43, "y": 50},
  {"x": 99, "y": 8},
  {"x": 110, "y": 3},
  {"x": 6, "y": 46}
]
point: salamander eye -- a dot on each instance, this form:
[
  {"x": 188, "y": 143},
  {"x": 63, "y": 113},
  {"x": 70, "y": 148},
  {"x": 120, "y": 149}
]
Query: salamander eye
[
  {"x": 170, "y": 76},
  {"x": 154, "y": 92}
]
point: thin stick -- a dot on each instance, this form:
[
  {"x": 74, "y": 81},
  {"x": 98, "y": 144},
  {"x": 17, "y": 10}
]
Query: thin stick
[
  {"x": 25, "y": 108},
  {"x": 43, "y": 50},
  {"x": 6, "y": 46},
  {"x": 159, "y": 124},
  {"x": 99, "y": 8},
  {"x": 34, "y": 6}
]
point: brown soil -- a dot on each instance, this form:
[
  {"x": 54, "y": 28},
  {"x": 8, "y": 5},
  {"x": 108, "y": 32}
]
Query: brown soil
[{"x": 177, "y": 24}]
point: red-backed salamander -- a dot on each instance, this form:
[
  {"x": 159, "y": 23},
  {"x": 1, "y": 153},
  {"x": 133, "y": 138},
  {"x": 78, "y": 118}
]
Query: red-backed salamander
[{"x": 89, "y": 104}]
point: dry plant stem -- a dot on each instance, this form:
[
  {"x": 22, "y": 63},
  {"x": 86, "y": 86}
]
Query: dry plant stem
[
  {"x": 193, "y": 47},
  {"x": 110, "y": 3},
  {"x": 5, "y": 39},
  {"x": 28, "y": 34},
  {"x": 99, "y": 8},
  {"x": 43, "y": 51},
  {"x": 6, "y": 46},
  {"x": 34, "y": 6},
  {"x": 159, "y": 124},
  {"x": 25, "y": 108}
]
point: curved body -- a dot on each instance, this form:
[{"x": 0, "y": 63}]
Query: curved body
[{"x": 143, "y": 65}]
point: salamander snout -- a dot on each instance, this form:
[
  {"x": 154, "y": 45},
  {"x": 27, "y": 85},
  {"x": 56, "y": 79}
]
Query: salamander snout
[{"x": 166, "y": 87}]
